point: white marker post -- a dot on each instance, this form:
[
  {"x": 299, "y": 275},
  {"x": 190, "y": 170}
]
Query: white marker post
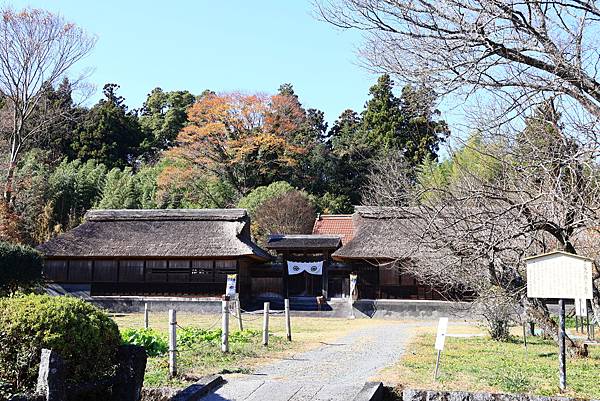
[
  {"x": 266, "y": 324},
  {"x": 225, "y": 324},
  {"x": 353, "y": 280},
  {"x": 172, "y": 343},
  {"x": 559, "y": 275},
  {"x": 146, "y": 319},
  {"x": 440, "y": 340},
  {"x": 288, "y": 323}
]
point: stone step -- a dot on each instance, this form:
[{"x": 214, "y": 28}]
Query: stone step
[{"x": 272, "y": 390}]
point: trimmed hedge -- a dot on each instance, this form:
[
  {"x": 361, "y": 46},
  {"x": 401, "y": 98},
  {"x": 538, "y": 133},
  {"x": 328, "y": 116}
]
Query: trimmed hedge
[
  {"x": 83, "y": 335},
  {"x": 20, "y": 268}
]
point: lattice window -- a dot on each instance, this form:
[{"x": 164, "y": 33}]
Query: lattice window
[
  {"x": 179, "y": 271},
  {"x": 105, "y": 270},
  {"x": 56, "y": 270},
  {"x": 203, "y": 271},
  {"x": 131, "y": 271},
  {"x": 156, "y": 271},
  {"x": 80, "y": 271}
]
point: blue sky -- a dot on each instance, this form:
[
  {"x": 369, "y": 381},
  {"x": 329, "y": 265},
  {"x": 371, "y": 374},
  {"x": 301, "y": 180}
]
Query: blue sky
[{"x": 220, "y": 45}]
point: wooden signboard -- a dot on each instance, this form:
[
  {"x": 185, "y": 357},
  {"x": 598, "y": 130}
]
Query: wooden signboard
[{"x": 559, "y": 275}]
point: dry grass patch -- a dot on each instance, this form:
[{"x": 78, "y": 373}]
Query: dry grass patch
[
  {"x": 206, "y": 358},
  {"x": 481, "y": 364}
]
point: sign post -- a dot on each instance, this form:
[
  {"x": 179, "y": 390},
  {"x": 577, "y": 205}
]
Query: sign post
[
  {"x": 440, "y": 340},
  {"x": 562, "y": 360},
  {"x": 560, "y": 275},
  {"x": 353, "y": 278},
  {"x": 230, "y": 289}
]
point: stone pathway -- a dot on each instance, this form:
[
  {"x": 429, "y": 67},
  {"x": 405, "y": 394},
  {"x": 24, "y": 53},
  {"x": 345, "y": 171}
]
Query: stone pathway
[{"x": 334, "y": 371}]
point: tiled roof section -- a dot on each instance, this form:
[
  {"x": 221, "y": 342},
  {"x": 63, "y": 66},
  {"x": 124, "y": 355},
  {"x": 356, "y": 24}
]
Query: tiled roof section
[{"x": 335, "y": 224}]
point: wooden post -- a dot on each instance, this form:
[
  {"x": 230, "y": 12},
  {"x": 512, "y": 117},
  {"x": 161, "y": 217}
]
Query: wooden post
[
  {"x": 238, "y": 306},
  {"x": 172, "y": 342},
  {"x": 576, "y": 323},
  {"x": 562, "y": 365},
  {"x": 532, "y": 329},
  {"x": 225, "y": 326},
  {"x": 525, "y": 336},
  {"x": 587, "y": 320},
  {"x": 266, "y": 324},
  {"x": 146, "y": 320},
  {"x": 288, "y": 323},
  {"x": 437, "y": 365}
]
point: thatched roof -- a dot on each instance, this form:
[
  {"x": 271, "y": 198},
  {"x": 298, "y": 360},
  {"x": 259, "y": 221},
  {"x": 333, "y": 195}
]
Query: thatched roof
[
  {"x": 301, "y": 242},
  {"x": 380, "y": 233},
  {"x": 158, "y": 233}
]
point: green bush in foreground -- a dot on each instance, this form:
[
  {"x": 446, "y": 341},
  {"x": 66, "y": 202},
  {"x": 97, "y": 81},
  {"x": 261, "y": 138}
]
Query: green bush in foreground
[
  {"x": 84, "y": 336},
  {"x": 20, "y": 268},
  {"x": 154, "y": 343}
]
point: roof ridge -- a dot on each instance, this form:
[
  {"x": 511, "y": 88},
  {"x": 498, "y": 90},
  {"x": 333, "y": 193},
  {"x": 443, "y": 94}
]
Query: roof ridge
[{"x": 165, "y": 214}]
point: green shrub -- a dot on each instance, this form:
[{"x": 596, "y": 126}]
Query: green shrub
[
  {"x": 20, "y": 268},
  {"x": 154, "y": 343},
  {"x": 84, "y": 336},
  {"x": 190, "y": 336}
]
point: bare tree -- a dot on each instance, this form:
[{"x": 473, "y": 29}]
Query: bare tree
[
  {"x": 289, "y": 213},
  {"x": 389, "y": 178},
  {"x": 541, "y": 191},
  {"x": 36, "y": 50},
  {"x": 515, "y": 49}
]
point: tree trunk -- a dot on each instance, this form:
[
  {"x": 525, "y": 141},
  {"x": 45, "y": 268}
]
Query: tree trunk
[
  {"x": 537, "y": 311},
  {"x": 8, "y": 185}
]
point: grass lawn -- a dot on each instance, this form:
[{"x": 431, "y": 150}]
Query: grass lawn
[
  {"x": 481, "y": 364},
  {"x": 207, "y": 358}
]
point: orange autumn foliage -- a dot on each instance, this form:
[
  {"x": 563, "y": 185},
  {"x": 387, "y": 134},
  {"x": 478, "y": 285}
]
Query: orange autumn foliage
[{"x": 244, "y": 138}]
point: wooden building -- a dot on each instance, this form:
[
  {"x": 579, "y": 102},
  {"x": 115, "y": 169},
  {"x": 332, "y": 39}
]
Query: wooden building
[
  {"x": 186, "y": 252},
  {"x": 155, "y": 252},
  {"x": 380, "y": 245}
]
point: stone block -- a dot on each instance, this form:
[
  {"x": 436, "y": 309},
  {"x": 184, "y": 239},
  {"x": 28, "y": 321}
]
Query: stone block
[
  {"x": 129, "y": 377},
  {"x": 413, "y": 395},
  {"x": 51, "y": 381}
]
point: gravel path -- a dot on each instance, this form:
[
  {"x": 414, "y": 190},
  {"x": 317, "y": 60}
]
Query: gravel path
[{"x": 334, "y": 371}]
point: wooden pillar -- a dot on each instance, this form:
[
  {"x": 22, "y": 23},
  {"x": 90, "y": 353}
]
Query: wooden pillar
[
  {"x": 325, "y": 276},
  {"x": 285, "y": 275}
]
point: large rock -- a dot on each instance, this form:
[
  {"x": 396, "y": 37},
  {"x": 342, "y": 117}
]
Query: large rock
[
  {"x": 129, "y": 377},
  {"x": 51, "y": 381}
]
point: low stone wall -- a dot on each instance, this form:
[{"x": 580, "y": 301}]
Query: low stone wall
[
  {"x": 413, "y": 309},
  {"x": 379, "y": 308},
  {"x": 433, "y": 395},
  {"x": 157, "y": 304}
]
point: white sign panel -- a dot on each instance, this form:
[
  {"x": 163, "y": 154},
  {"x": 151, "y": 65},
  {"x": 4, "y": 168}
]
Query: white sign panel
[
  {"x": 353, "y": 278},
  {"x": 231, "y": 285},
  {"x": 559, "y": 275},
  {"x": 580, "y": 307},
  {"x": 441, "y": 334}
]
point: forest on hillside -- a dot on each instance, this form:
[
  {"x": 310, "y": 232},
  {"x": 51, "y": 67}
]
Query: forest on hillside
[{"x": 207, "y": 150}]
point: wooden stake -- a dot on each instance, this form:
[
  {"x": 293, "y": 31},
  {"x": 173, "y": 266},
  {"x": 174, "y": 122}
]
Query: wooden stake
[
  {"x": 266, "y": 324},
  {"x": 172, "y": 342},
  {"x": 146, "y": 320},
  {"x": 288, "y": 323},
  {"x": 437, "y": 365},
  {"x": 225, "y": 326},
  {"x": 525, "y": 336},
  {"x": 238, "y": 306},
  {"x": 562, "y": 364},
  {"x": 587, "y": 320}
]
